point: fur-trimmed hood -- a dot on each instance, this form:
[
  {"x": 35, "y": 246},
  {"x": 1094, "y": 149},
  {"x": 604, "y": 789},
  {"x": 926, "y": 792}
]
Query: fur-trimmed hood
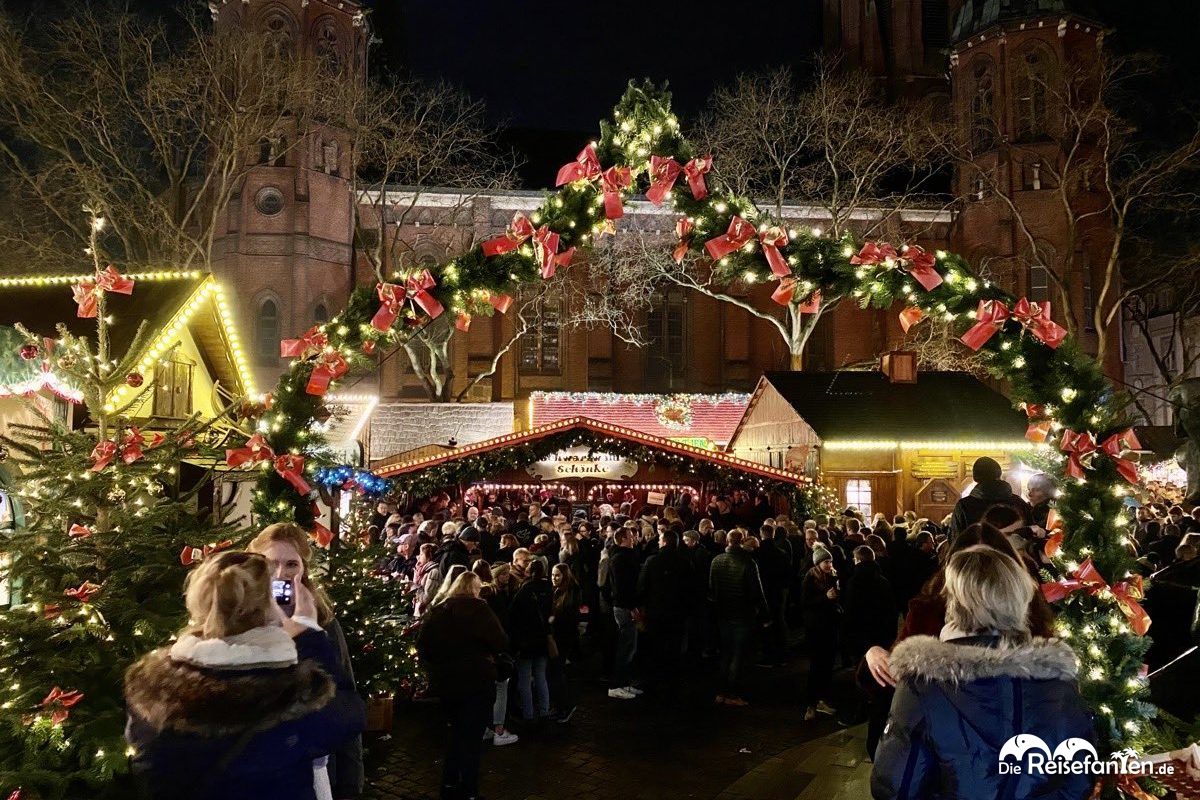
[
  {"x": 174, "y": 695},
  {"x": 929, "y": 658}
]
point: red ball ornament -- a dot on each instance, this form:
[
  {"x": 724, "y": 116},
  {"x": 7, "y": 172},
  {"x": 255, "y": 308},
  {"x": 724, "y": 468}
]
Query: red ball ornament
[
  {"x": 29, "y": 352},
  {"x": 134, "y": 379}
]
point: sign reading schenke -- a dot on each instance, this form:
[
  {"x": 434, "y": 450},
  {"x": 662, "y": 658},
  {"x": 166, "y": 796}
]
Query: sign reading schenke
[{"x": 578, "y": 462}]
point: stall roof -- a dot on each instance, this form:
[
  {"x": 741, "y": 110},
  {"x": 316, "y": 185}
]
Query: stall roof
[
  {"x": 709, "y": 416},
  {"x": 394, "y": 468}
]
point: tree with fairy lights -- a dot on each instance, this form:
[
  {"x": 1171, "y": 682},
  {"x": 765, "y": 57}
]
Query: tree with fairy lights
[{"x": 98, "y": 567}]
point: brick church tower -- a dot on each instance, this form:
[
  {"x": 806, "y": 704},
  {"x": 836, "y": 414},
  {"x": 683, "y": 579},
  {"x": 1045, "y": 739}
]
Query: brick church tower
[{"x": 286, "y": 248}]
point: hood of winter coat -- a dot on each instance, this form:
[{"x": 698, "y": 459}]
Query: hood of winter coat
[
  {"x": 992, "y": 490},
  {"x": 929, "y": 658},
  {"x": 174, "y": 695}
]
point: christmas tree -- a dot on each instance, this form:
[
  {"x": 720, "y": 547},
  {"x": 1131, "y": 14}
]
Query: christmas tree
[{"x": 98, "y": 568}]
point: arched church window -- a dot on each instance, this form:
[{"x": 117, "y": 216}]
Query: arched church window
[
  {"x": 327, "y": 48},
  {"x": 983, "y": 106},
  {"x": 280, "y": 34},
  {"x": 266, "y": 332},
  {"x": 320, "y": 314},
  {"x": 1032, "y": 89}
]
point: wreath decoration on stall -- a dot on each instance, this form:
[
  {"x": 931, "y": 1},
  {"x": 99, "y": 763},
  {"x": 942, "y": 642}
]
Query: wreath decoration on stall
[
  {"x": 1073, "y": 410},
  {"x": 674, "y": 411}
]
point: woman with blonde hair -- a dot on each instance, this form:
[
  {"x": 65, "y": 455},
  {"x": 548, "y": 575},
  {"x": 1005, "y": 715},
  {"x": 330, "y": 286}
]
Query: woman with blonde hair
[
  {"x": 985, "y": 680},
  {"x": 246, "y": 699},
  {"x": 448, "y": 583},
  {"x": 288, "y": 551}
]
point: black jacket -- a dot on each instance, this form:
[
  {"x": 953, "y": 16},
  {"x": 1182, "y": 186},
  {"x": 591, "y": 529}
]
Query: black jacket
[
  {"x": 820, "y": 613},
  {"x": 458, "y": 642},
  {"x": 697, "y": 590},
  {"x": 529, "y": 617},
  {"x": 970, "y": 509},
  {"x": 735, "y": 586},
  {"x": 774, "y": 567},
  {"x": 663, "y": 587},
  {"x": 623, "y": 572},
  {"x": 871, "y": 612},
  {"x": 451, "y": 553},
  {"x": 944, "y": 737}
]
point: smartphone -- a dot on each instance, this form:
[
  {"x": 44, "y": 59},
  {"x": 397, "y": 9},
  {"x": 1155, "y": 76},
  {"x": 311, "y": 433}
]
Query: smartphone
[{"x": 283, "y": 592}]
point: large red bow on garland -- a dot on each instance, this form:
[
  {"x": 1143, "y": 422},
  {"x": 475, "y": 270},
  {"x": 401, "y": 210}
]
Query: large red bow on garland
[
  {"x": 772, "y": 239},
  {"x": 1088, "y": 578},
  {"x": 60, "y": 703},
  {"x": 255, "y": 450},
  {"x": 129, "y": 450},
  {"x": 1039, "y": 427},
  {"x": 415, "y": 289},
  {"x": 313, "y": 341},
  {"x": 87, "y": 292},
  {"x": 545, "y": 249},
  {"x": 664, "y": 171},
  {"x": 695, "y": 170},
  {"x": 1036, "y": 319},
  {"x": 290, "y": 467},
  {"x": 83, "y": 592},
  {"x": 915, "y": 260},
  {"x": 683, "y": 235},
  {"x": 192, "y": 555},
  {"x": 1082, "y": 449},
  {"x": 990, "y": 318},
  {"x": 739, "y": 233},
  {"x": 331, "y": 366},
  {"x": 585, "y": 167},
  {"x": 519, "y": 230},
  {"x": 500, "y": 302},
  {"x": 613, "y": 180}
]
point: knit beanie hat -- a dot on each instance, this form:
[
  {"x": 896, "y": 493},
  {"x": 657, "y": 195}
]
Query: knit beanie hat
[{"x": 821, "y": 554}]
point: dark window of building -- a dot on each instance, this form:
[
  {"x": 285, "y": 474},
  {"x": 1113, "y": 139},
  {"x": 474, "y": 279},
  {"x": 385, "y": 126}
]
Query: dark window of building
[
  {"x": 1039, "y": 284},
  {"x": 983, "y": 106},
  {"x": 320, "y": 314},
  {"x": 1032, "y": 85},
  {"x": 541, "y": 347},
  {"x": 666, "y": 340},
  {"x": 327, "y": 50},
  {"x": 935, "y": 31},
  {"x": 269, "y": 201},
  {"x": 280, "y": 35},
  {"x": 266, "y": 333},
  {"x": 173, "y": 388}
]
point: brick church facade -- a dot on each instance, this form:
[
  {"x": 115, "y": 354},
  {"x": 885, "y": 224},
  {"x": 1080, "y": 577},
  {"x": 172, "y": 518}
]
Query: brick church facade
[{"x": 288, "y": 245}]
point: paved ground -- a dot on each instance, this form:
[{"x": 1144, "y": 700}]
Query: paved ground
[{"x": 639, "y": 749}]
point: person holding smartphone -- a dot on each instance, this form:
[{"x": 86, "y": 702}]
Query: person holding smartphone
[
  {"x": 286, "y": 548},
  {"x": 245, "y": 699}
]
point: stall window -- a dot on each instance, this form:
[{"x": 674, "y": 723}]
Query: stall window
[{"x": 858, "y": 494}]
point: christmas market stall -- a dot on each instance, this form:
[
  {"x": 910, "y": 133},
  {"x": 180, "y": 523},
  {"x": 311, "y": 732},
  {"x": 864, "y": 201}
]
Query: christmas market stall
[{"x": 585, "y": 461}]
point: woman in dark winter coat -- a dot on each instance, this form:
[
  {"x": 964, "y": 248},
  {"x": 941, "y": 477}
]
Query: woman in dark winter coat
[
  {"x": 963, "y": 696},
  {"x": 822, "y": 615},
  {"x": 458, "y": 642},
  {"x": 529, "y": 622},
  {"x": 564, "y": 626},
  {"x": 244, "y": 702},
  {"x": 498, "y": 594}
]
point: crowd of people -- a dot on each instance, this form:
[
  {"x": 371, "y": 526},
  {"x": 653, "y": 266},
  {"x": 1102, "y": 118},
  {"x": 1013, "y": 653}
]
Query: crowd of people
[{"x": 950, "y": 644}]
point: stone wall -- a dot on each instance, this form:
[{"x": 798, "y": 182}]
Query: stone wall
[{"x": 399, "y": 427}]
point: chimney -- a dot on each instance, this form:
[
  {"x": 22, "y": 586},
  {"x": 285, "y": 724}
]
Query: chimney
[{"x": 899, "y": 365}]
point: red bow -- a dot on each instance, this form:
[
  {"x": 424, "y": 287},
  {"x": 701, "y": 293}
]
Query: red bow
[
  {"x": 545, "y": 248},
  {"x": 585, "y": 167},
  {"x": 695, "y": 170},
  {"x": 390, "y": 298},
  {"x": 256, "y": 450},
  {"x": 915, "y": 260},
  {"x": 463, "y": 323},
  {"x": 1088, "y": 578},
  {"x": 519, "y": 230},
  {"x": 291, "y": 468},
  {"x": 1081, "y": 450},
  {"x": 311, "y": 342},
  {"x": 83, "y": 592},
  {"x": 330, "y": 367},
  {"x": 771, "y": 240},
  {"x": 1036, "y": 319},
  {"x": 812, "y": 305},
  {"x": 61, "y": 702},
  {"x": 990, "y": 318},
  {"x": 683, "y": 232},
  {"x": 78, "y": 531},
  {"x": 664, "y": 171},
  {"x": 87, "y": 292},
  {"x": 131, "y": 445},
  {"x": 192, "y": 555},
  {"x": 1038, "y": 430},
  {"x": 503, "y": 302},
  {"x": 738, "y": 234},
  {"x": 613, "y": 181},
  {"x": 785, "y": 291},
  {"x": 909, "y": 317},
  {"x": 102, "y": 454},
  {"x": 322, "y": 535}
]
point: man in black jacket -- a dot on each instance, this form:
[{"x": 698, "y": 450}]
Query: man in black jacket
[
  {"x": 737, "y": 592},
  {"x": 775, "y": 568},
  {"x": 663, "y": 586},
  {"x": 623, "y": 570},
  {"x": 699, "y": 625},
  {"x": 990, "y": 490}
]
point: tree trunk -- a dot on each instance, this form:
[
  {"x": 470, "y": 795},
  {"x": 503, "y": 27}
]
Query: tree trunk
[{"x": 797, "y": 362}]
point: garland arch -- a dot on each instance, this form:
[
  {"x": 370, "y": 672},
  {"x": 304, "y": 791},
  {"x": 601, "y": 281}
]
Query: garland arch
[{"x": 1073, "y": 409}]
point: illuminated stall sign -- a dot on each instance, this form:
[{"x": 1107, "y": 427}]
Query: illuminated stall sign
[{"x": 578, "y": 462}]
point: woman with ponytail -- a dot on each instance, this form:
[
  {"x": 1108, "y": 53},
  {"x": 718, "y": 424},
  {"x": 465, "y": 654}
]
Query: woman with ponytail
[{"x": 246, "y": 698}]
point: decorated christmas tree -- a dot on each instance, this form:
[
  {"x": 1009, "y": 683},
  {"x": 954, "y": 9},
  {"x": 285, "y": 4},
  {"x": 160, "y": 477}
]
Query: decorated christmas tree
[{"x": 97, "y": 569}]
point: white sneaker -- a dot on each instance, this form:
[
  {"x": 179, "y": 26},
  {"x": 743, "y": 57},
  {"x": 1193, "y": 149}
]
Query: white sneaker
[
  {"x": 507, "y": 737},
  {"x": 621, "y": 694},
  {"x": 636, "y": 692}
]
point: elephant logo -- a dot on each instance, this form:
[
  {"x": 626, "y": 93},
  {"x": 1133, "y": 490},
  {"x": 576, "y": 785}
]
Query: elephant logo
[
  {"x": 1072, "y": 747},
  {"x": 1022, "y": 743}
]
